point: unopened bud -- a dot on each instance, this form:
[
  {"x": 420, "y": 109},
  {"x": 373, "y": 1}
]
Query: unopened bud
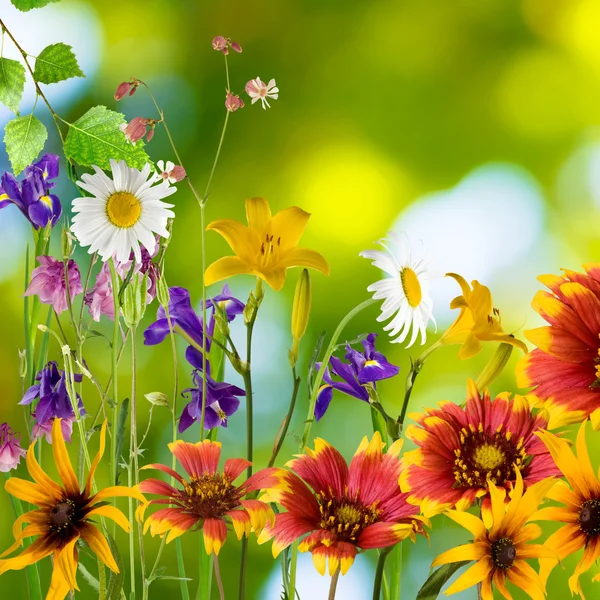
[
  {"x": 150, "y": 134},
  {"x": 235, "y": 46},
  {"x": 66, "y": 242},
  {"x": 301, "y": 310},
  {"x": 177, "y": 173},
  {"x": 221, "y": 321},
  {"x": 134, "y": 130},
  {"x": 134, "y": 300},
  {"x": 123, "y": 89},
  {"x": 233, "y": 103},
  {"x": 162, "y": 291},
  {"x": 22, "y": 364},
  {"x": 157, "y": 398},
  {"x": 494, "y": 366}
]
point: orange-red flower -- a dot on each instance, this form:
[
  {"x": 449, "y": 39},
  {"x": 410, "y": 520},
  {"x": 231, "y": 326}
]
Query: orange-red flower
[
  {"x": 208, "y": 499},
  {"x": 345, "y": 509},
  {"x": 461, "y": 450},
  {"x": 564, "y": 370}
]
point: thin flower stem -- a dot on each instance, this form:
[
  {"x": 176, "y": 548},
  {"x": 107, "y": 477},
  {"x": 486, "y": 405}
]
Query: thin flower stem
[
  {"x": 114, "y": 375},
  {"x": 396, "y": 576},
  {"x": 287, "y": 420},
  {"x": 333, "y": 585},
  {"x": 131, "y": 538},
  {"x": 218, "y": 577},
  {"x": 379, "y": 573},
  {"x": 212, "y": 171},
  {"x": 204, "y": 326},
  {"x": 86, "y": 285},
  {"x": 227, "y": 73}
]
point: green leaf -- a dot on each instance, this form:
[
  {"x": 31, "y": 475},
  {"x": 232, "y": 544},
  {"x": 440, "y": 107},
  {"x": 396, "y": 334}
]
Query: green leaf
[
  {"x": 435, "y": 582},
  {"x": 24, "y": 139},
  {"x": 115, "y": 582},
  {"x": 25, "y": 5},
  {"x": 90, "y": 579},
  {"x": 56, "y": 63},
  {"x": 12, "y": 83},
  {"x": 95, "y": 138}
]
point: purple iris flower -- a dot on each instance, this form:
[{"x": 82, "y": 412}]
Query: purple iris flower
[
  {"x": 187, "y": 323},
  {"x": 222, "y": 402},
  {"x": 32, "y": 197},
  {"x": 54, "y": 401},
  {"x": 364, "y": 368}
]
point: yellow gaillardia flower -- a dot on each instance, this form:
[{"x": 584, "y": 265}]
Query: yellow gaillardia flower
[
  {"x": 300, "y": 312},
  {"x": 267, "y": 247},
  {"x": 63, "y": 516},
  {"x": 501, "y": 551},
  {"x": 477, "y": 322}
]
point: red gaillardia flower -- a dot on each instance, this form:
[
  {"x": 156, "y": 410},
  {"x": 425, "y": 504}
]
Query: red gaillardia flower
[
  {"x": 564, "y": 370},
  {"x": 461, "y": 450},
  {"x": 345, "y": 509},
  {"x": 208, "y": 498}
]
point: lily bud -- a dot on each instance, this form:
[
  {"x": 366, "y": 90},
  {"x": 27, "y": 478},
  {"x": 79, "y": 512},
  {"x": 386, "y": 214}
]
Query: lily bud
[
  {"x": 157, "y": 398},
  {"x": 494, "y": 367},
  {"x": 66, "y": 242},
  {"x": 300, "y": 312},
  {"x": 134, "y": 300},
  {"x": 162, "y": 291}
]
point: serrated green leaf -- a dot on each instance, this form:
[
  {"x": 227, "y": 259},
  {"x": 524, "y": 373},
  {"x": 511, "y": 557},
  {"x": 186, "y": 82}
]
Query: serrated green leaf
[
  {"x": 95, "y": 138},
  {"x": 25, "y": 5},
  {"x": 90, "y": 579},
  {"x": 24, "y": 139},
  {"x": 56, "y": 63},
  {"x": 12, "y": 83},
  {"x": 435, "y": 582}
]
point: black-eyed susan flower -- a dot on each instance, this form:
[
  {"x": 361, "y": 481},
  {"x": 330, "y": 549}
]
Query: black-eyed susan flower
[
  {"x": 267, "y": 247},
  {"x": 405, "y": 290},
  {"x": 501, "y": 550},
  {"x": 477, "y": 322},
  {"x": 208, "y": 500},
  {"x": 580, "y": 511},
  {"x": 64, "y": 516},
  {"x": 345, "y": 509},
  {"x": 461, "y": 450},
  {"x": 564, "y": 369}
]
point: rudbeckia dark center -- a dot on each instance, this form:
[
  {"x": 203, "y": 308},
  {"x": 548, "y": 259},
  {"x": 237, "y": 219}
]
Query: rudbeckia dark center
[
  {"x": 209, "y": 496},
  {"x": 503, "y": 553},
  {"x": 344, "y": 517},
  {"x": 589, "y": 517},
  {"x": 62, "y": 516},
  {"x": 482, "y": 458}
]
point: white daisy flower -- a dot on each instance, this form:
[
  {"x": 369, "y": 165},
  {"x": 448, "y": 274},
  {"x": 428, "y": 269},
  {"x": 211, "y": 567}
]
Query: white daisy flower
[
  {"x": 405, "y": 291},
  {"x": 258, "y": 90},
  {"x": 122, "y": 212}
]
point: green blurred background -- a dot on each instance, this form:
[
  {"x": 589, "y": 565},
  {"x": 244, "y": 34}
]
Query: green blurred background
[{"x": 471, "y": 125}]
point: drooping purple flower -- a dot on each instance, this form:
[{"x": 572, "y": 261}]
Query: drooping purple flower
[
  {"x": 226, "y": 300},
  {"x": 54, "y": 401},
  {"x": 362, "y": 370},
  {"x": 47, "y": 166},
  {"x": 10, "y": 449},
  {"x": 48, "y": 282},
  {"x": 222, "y": 402}
]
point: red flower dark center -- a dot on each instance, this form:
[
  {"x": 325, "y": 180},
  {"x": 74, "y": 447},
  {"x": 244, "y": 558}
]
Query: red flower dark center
[
  {"x": 589, "y": 517},
  {"x": 503, "y": 553},
  {"x": 209, "y": 496},
  {"x": 483, "y": 457},
  {"x": 345, "y": 517}
]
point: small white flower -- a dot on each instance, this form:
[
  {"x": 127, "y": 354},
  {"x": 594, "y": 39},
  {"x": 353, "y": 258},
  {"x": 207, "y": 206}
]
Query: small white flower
[
  {"x": 258, "y": 90},
  {"x": 122, "y": 212},
  {"x": 405, "y": 291},
  {"x": 165, "y": 170}
]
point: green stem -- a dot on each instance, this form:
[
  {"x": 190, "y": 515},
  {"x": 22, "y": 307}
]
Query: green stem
[
  {"x": 218, "y": 577},
  {"x": 114, "y": 375},
  {"x": 286, "y": 422},
  {"x": 333, "y": 585},
  {"x": 293, "y": 569},
  {"x": 185, "y": 595},
  {"x": 396, "y": 575},
  {"x": 131, "y": 538},
  {"x": 379, "y": 573},
  {"x": 101, "y": 580}
]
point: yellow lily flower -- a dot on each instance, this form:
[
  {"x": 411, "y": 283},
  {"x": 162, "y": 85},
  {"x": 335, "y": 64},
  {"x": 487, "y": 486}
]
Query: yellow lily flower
[
  {"x": 477, "y": 322},
  {"x": 267, "y": 247}
]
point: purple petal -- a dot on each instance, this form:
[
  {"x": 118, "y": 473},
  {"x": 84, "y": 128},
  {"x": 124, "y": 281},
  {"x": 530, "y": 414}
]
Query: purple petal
[
  {"x": 156, "y": 332},
  {"x": 31, "y": 394},
  {"x": 323, "y": 399}
]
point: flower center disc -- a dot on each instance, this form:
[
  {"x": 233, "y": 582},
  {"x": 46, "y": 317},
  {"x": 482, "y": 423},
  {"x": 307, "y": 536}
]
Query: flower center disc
[
  {"x": 61, "y": 515},
  {"x": 488, "y": 457},
  {"x": 589, "y": 517},
  {"x": 123, "y": 209},
  {"x": 344, "y": 517},
  {"x": 411, "y": 286},
  {"x": 503, "y": 553},
  {"x": 209, "y": 496}
]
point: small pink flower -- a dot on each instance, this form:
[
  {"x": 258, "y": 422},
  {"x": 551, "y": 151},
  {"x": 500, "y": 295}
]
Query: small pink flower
[
  {"x": 45, "y": 429},
  {"x": 258, "y": 90},
  {"x": 233, "y": 103},
  {"x": 48, "y": 282},
  {"x": 100, "y": 299},
  {"x": 10, "y": 449},
  {"x": 219, "y": 44},
  {"x": 150, "y": 133},
  {"x": 135, "y": 130},
  {"x": 170, "y": 172},
  {"x": 123, "y": 89}
]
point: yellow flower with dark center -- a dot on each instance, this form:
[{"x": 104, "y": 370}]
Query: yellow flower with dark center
[
  {"x": 63, "y": 516},
  {"x": 501, "y": 550},
  {"x": 581, "y": 510},
  {"x": 267, "y": 247},
  {"x": 477, "y": 322}
]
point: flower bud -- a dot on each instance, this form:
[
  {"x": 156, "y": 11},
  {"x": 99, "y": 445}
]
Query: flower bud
[
  {"x": 123, "y": 89},
  {"x": 134, "y": 300},
  {"x": 66, "y": 242},
  {"x": 300, "y": 311},
  {"x": 177, "y": 173},
  {"x": 22, "y": 364},
  {"x": 150, "y": 134},
  {"x": 134, "y": 130},
  {"x": 219, "y": 43},
  {"x": 235, "y": 46},
  {"x": 233, "y": 103},
  {"x": 494, "y": 367},
  {"x": 162, "y": 291},
  {"x": 157, "y": 399}
]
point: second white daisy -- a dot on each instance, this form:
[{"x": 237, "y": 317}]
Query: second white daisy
[
  {"x": 405, "y": 292},
  {"x": 122, "y": 212}
]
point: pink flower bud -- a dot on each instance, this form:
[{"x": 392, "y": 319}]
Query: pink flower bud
[
  {"x": 123, "y": 89},
  {"x": 233, "y": 103},
  {"x": 177, "y": 173},
  {"x": 235, "y": 46},
  {"x": 133, "y": 88},
  {"x": 219, "y": 43},
  {"x": 150, "y": 134},
  {"x": 136, "y": 129}
]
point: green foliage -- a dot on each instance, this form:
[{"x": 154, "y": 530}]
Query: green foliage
[
  {"x": 115, "y": 582},
  {"x": 24, "y": 139},
  {"x": 25, "y": 5},
  {"x": 95, "y": 138},
  {"x": 56, "y": 63},
  {"x": 435, "y": 582},
  {"x": 12, "y": 83}
]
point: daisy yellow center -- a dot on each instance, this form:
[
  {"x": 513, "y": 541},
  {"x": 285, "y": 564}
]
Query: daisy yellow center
[
  {"x": 411, "y": 286},
  {"x": 345, "y": 517},
  {"x": 483, "y": 458},
  {"x": 209, "y": 496},
  {"x": 123, "y": 209}
]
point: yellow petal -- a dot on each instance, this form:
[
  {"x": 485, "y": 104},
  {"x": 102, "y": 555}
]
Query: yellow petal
[
  {"x": 275, "y": 278},
  {"x": 258, "y": 214},
  {"x": 243, "y": 241},
  {"x": 40, "y": 477},
  {"x": 465, "y": 552},
  {"x": 62, "y": 460},
  {"x": 112, "y": 513},
  {"x": 66, "y": 562},
  {"x": 99, "y": 546},
  {"x": 302, "y": 257},
  {"x": 472, "y": 576},
  {"x": 117, "y": 491},
  {"x": 59, "y": 588},
  {"x": 464, "y": 286},
  {"x": 289, "y": 225},
  {"x": 469, "y": 522},
  {"x": 226, "y": 267},
  {"x": 97, "y": 459},
  {"x": 38, "y": 550},
  {"x": 33, "y": 529},
  {"x": 28, "y": 491}
]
